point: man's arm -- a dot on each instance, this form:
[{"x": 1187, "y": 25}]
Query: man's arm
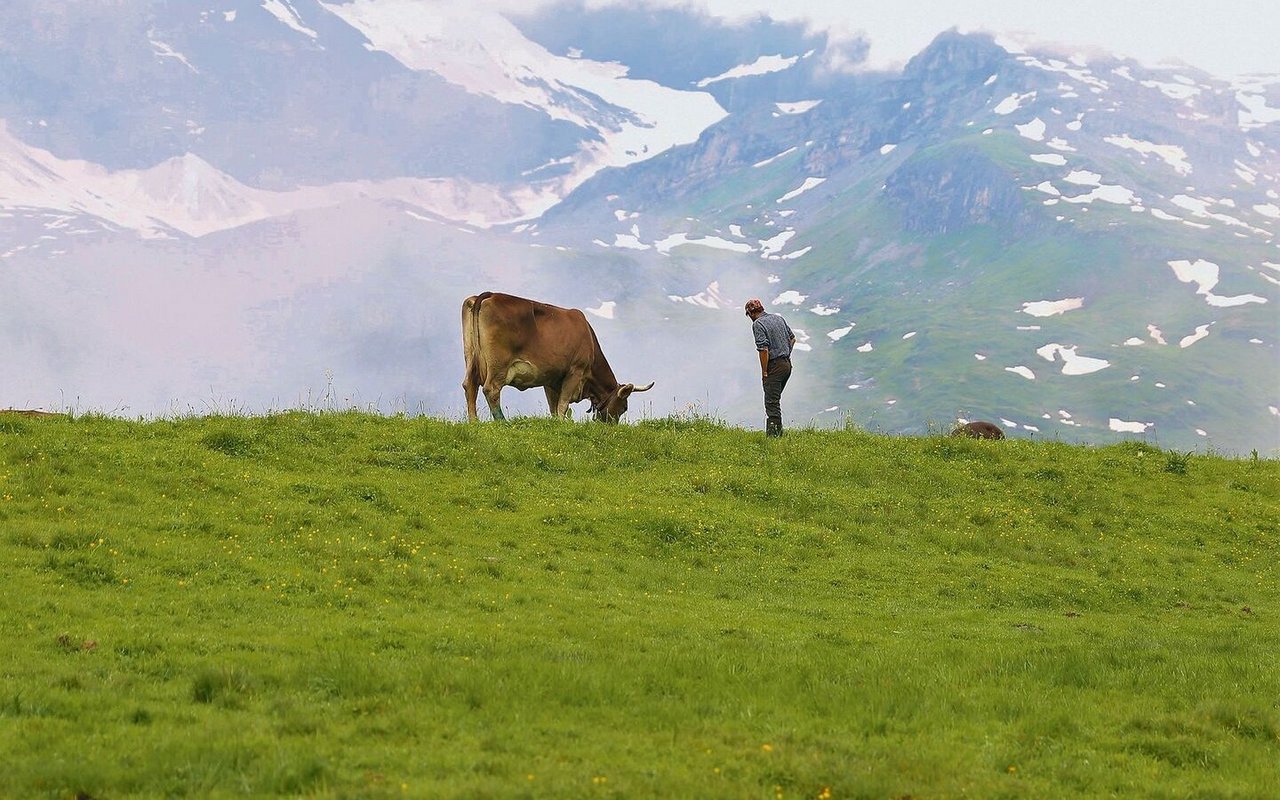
[{"x": 762, "y": 346}]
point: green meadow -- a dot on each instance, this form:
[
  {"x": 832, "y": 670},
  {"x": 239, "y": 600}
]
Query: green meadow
[{"x": 345, "y": 605}]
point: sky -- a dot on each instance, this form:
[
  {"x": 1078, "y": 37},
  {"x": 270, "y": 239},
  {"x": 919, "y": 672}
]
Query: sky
[{"x": 1227, "y": 38}]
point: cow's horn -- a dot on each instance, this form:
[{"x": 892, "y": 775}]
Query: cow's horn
[{"x": 643, "y": 388}]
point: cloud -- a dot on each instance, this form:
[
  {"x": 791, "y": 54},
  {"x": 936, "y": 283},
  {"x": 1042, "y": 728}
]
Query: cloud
[{"x": 1239, "y": 41}]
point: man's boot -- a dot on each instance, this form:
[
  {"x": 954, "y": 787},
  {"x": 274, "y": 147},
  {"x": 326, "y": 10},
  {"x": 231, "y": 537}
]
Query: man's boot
[{"x": 773, "y": 427}]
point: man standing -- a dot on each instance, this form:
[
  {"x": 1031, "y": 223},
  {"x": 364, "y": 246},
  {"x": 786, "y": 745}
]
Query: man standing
[{"x": 774, "y": 341}]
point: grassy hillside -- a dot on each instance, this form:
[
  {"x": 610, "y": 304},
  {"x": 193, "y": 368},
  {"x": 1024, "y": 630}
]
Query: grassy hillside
[{"x": 344, "y": 605}]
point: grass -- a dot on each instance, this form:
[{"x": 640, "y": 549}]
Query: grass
[{"x": 346, "y": 605}]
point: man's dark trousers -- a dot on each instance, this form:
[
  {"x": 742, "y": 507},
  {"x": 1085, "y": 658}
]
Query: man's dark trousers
[{"x": 779, "y": 370}]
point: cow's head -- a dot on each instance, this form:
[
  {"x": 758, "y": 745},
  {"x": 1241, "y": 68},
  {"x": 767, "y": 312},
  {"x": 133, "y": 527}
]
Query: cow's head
[{"x": 614, "y": 405}]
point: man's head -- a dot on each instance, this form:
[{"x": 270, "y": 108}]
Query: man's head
[{"x": 754, "y": 308}]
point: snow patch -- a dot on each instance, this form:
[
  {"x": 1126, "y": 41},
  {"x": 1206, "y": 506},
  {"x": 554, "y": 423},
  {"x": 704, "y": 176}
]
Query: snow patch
[
  {"x": 761, "y": 66},
  {"x": 1013, "y": 102},
  {"x": 1123, "y": 426},
  {"x": 1055, "y": 159},
  {"x": 1254, "y": 111},
  {"x": 789, "y": 297},
  {"x": 1199, "y": 207},
  {"x": 165, "y": 51},
  {"x": 1178, "y": 91},
  {"x": 1201, "y": 332},
  {"x": 1205, "y": 275},
  {"x": 1109, "y": 193},
  {"x": 665, "y": 246},
  {"x": 772, "y": 159},
  {"x": 1033, "y": 130},
  {"x": 798, "y": 107},
  {"x": 839, "y": 333},
  {"x": 285, "y": 12},
  {"x": 1073, "y": 363},
  {"x": 793, "y": 255},
  {"x": 629, "y": 241},
  {"x": 1172, "y": 155},
  {"x": 1082, "y": 177},
  {"x": 708, "y": 298},
  {"x": 1079, "y": 72},
  {"x": 1049, "y": 308},
  {"x": 808, "y": 184},
  {"x": 775, "y": 244}
]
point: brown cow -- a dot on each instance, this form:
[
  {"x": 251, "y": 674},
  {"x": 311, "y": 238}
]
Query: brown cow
[
  {"x": 979, "y": 430},
  {"x": 511, "y": 341}
]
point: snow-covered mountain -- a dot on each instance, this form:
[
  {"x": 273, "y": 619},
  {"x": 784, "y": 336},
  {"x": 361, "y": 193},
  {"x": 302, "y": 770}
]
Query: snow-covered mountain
[
  {"x": 379, "y": 90},
  {"x": 264, "y": 200}
]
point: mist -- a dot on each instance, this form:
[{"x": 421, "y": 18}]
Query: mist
[{"x": 357, "y": 307}]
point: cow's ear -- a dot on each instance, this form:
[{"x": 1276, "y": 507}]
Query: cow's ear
[{"x": 625, "y": 390}]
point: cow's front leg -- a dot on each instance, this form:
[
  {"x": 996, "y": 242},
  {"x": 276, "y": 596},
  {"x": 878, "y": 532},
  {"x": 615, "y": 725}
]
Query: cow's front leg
[{"x": 493, "y": 396}]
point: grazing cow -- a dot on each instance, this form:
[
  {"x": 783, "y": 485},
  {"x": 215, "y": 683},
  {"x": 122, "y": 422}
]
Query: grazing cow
[
  {"x": 511, "y": 341},
  {"x": 979, "y": 430}
]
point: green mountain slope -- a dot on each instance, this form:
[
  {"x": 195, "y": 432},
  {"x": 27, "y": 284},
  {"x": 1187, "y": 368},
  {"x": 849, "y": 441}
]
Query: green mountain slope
[
  {"x": 344, "y": 605},
  {"x": 1104, "y": 234}
]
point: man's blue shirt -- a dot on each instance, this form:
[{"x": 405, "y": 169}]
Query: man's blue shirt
[{"x": 773, "y": 334}]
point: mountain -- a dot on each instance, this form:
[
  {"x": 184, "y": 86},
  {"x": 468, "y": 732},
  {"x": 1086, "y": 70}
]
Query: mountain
[
  {"x": 289, "y": 93},
  {"x": 1065, "y": 245},
  {"x": 280, "y": 203}
]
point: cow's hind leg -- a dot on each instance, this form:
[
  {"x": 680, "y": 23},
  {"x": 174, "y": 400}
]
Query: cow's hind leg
[
  {"x": 493, "y": 396},
  {"x": 471, "y": 389},
  {"x": 569, "y": 388}
]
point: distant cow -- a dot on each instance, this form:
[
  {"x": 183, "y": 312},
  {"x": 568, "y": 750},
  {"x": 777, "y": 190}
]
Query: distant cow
[
  {"x": 511, "y": 341},
  {"x": 979, "y": 430}
]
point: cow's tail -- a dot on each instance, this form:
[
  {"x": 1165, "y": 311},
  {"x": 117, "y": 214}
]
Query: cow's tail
[{"x": 471, "y": 351}]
